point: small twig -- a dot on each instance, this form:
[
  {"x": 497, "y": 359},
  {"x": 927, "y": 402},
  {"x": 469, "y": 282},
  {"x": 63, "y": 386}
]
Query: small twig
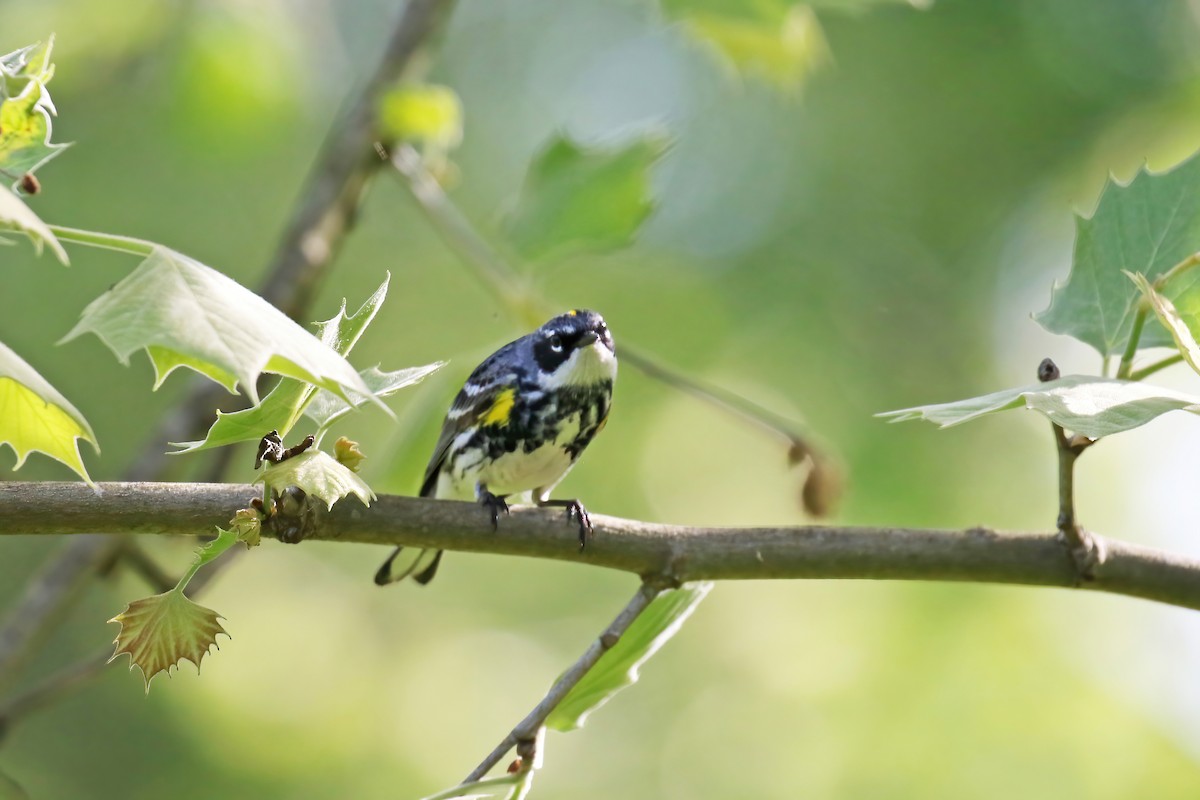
[
  {"x": 1135, "y": 335},
  {"x": 526, "y": 730},
  {"x": 137, "y": 559},
  {"x": 1087, "y": 551},
  {"x": 1150, "y": 369},
  {"x": 50, "y": 689}
]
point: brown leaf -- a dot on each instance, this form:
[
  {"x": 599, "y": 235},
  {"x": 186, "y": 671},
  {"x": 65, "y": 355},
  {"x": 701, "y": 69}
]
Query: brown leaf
[{"x": 158, "y": 632}]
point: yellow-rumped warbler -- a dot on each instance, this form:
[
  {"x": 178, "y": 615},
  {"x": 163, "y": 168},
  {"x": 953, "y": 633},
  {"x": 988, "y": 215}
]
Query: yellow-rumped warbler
[{"x": 519, "y": 424}]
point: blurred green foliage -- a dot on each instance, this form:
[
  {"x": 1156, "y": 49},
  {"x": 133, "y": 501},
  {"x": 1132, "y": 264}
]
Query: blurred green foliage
[{"x": 873, "y": 241}]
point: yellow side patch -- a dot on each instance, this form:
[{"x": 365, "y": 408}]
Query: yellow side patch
[
  {"x": 500, "y": 410},
  {"x": 574, "y": 312}
]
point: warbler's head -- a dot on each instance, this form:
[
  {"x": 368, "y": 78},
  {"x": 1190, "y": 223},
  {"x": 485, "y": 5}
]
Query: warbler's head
[{"x": 575, "y": 349}]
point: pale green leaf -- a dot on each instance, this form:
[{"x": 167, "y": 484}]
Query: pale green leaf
[
  {"x": 35, "y": 417},
  {"x": 25, "y": 110},
  {"x": 1083, "y": 404},
  {"x": 781, "y": 42},
  {"x": 282, "y": 406},
  {"x": 158, "y": 632},
  {"x": 319, "y": 475},
  {"x": 15, "y": 215},
  {"x": 186, "y": 314},
  {"x": 618, "y": 668},
  {"x": 584, "y": 198},
  {"x": 422, "y": 113},
  {"x": 1184, "y": 328},
  {"x": 1146, "y": 226},
  {"x": 327, "y": 407}
]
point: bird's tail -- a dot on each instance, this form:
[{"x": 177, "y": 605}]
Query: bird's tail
[{"x": 421, "y": 565}]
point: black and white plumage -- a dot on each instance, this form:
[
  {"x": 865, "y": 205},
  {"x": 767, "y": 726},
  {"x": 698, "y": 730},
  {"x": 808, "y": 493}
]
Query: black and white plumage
[{"x": 519, "y": 424}]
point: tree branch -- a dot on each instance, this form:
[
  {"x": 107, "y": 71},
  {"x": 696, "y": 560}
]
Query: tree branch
[
  {"x": 648, "y": 549},
  {"x": 527, "y": 729}
]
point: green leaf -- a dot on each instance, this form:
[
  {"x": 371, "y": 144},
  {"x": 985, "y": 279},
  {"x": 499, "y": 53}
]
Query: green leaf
[
  {"x": 158, "y": 632},
  {"x": 618, "y": 668},
  {"x": 781, "y": 42},
  {"x": 327, "y": 407},
  {"x": 1083, "y": 404},
  {"x": 584, "y": 198},
  {"x": 1146, "y": 226},
  {"x": 319, "y": 475},
  {"x": 25, "y": 110},
  {"x": 35, "y": 417},
  {"x": 1184, "y": 326},
  {"x": 423, "y": 113},
  {"x": 282, "y": 406},
  {"x": 186, "y": 314},
  {"x": 15, "y": 215}
]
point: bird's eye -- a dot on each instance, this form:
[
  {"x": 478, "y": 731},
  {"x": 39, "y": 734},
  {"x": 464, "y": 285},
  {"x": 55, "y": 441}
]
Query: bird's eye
[{"x": 556, "y": 343}]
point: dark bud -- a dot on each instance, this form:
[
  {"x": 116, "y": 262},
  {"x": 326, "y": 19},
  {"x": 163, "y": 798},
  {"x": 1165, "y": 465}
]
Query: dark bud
[
  {"x": 515, "y": 766},
  {"x": 270, "y": 448},
  {"x": 822, "y": 489},
  {"x": 1048, "y": 371},
  {"x": 30, "y": 184},
  {"x": 298, "y": 449}
]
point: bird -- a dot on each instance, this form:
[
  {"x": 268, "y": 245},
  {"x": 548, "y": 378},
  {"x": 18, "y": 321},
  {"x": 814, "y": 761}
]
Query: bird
[{"x": 519, "y": 424}]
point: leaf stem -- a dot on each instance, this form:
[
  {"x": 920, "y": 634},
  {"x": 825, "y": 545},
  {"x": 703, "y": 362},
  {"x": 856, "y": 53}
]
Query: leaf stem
[
  {"x": 104, "y": 241},
  {"x": 1150, "y": 369},
  {"x": 1135, "y": 334},
  {"x": 527, "y": 729},
  {"x": 1177, "y": 270}
]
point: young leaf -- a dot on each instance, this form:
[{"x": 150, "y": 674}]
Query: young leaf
[
  {"x": 186, "y": 314},
  {"x": 282, "y": 406},
  {"x": 1083, "y": 404},
  {"x": 425, "y": 114},
  {"x": 1146, "y": 226},
  {"x": 578, "y": 198},
  {"x": 319, "y": 475},
  {"x": 15, "y": 215},
  {"x": 25, "y": 109},
  {"x": 158, "y": 632},
  {"x": 618, "y": 668},
  {"x": 1184, "y": 328},
  {"x": 779, "y": 41},
  {"x": 35, "y": 417},
  {"x": 326, "y": 407}
]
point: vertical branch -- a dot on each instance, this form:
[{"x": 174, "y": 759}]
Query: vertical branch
[{"x": 1087, "y": 551}]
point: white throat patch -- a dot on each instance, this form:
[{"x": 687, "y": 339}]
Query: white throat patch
[{"x": 589, "y": 365}]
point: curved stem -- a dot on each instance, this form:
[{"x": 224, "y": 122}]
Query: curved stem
[{"x": 1150, "y": 369}]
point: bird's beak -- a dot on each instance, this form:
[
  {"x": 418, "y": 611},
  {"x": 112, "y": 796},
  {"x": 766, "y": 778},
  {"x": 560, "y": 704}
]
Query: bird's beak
[{"x": 588, "y": 339}]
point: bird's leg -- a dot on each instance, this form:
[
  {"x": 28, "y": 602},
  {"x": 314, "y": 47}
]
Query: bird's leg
[
  {"x": 493, "y": 503},
  {"x": 575, "y": 510}
]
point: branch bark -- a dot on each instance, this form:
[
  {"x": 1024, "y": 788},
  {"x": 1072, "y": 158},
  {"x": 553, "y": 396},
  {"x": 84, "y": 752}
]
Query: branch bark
[{"x": 648, "y": 549}]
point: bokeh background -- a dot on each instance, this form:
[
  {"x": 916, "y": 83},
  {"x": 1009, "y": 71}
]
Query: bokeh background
[{"x": 869, "y": 232}]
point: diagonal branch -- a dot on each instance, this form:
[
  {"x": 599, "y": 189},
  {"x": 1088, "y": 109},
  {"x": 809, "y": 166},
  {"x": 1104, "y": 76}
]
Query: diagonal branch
[
  {"x": 527, "y": 729},
  {"x": 673, "y": 552}
]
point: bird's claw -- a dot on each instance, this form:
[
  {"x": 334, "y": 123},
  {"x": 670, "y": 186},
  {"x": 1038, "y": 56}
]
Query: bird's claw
[
  {"x": 494, "y": 504},
  {"x": 575, "y": 510}
]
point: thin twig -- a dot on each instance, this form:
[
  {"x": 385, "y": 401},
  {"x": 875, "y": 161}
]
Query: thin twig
[
  {"x": 975, "y": 555},
  {"x": 527, "y": 728},
  {"x": 1150, "y": 369}
]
